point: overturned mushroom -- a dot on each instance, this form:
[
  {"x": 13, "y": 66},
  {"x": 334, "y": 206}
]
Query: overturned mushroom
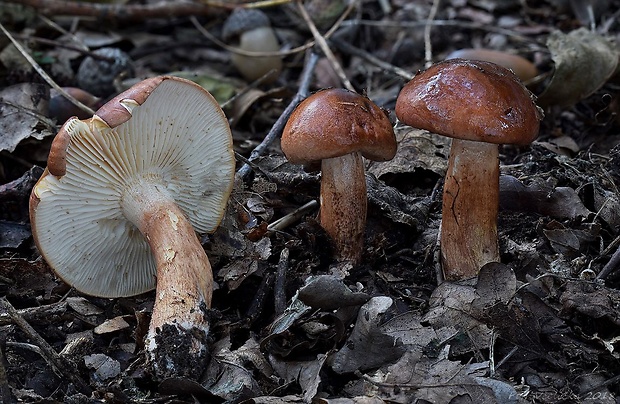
[{"x": 117, "y": 210}]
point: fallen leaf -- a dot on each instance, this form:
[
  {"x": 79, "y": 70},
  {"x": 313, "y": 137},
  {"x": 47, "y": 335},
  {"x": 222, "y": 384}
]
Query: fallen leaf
[
  {"x": 418, "y": 151},
  {"x": 368, "y": 346},
  {"x": 329, "y": 292},
  {"x": 23, "y": 111},
  {"x": 540, "y": 197},
  {"x": 584, "y": 60},
  {"x": 105, "y": 367},
  {"x": 111, "y": 325}
]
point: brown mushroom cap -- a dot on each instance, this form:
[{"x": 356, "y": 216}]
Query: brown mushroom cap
[
  {"x": 471, "y": 100},
  {"x": 523, "y": 68},
  {"x": 335, "y": 122}
]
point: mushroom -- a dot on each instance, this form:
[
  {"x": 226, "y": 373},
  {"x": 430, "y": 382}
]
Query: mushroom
[
  {"x": 523, "y": 68},
  {"x": 114, "y": 213},
  {"x": 63, "y": 109},
  {"x": 338, "y": 127},
  {"x": 250, "y": 30},
  {"x": 480, "y": 105}
]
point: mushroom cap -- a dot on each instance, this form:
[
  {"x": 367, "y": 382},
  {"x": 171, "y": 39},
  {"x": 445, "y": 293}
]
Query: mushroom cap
[
  {"x": 335, "y": 122},
  {"x": 520, "y": 66},
  {"x": 471, "y": 100},
  {"x": 166, "y": 130},
  {"x": 242, "y": 20}
]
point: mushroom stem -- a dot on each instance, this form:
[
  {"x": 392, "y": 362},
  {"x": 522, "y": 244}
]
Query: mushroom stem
[
  {"x": 470, "y": 207},
  {"x": 184, "y": 282},
  {"x": 344, "y": 203},
  {"x": 261, "y": 39}
]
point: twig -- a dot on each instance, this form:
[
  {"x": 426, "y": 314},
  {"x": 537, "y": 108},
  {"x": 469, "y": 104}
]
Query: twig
[
  {"x": 120, "y": 11},
  {"x": 292, "y": 217},
  {"x": 76, "y": 48},
  {"x": 428, "y": 46},
  {"x": 352, "y": 50},
  {"x": 33, "y": 314},
  {"x": 43, "y": 74},
  {"x": 280, "y": 53},
  {"x": 610, "y": 266},
  {"x": 279, "y": 287},
  {"x": 59, "y": 28},
  {"x": 60, "y": 365},
  {"x": 447, "y": 23},
  {"x": 276, "y": 129},
  {"x": 320, "y": 40}
]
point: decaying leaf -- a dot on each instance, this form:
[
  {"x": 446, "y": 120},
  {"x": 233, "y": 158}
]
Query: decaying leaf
[
  {"x": 329, "y": 292},
  {"x": 305, "y": 373},
  {"x": 12, "y": 235},
  {"x": 451, "y": 309},
  {"x": 496, "y": 284},
  {"x": 584, "y": 60},
  {"x": 595, "y": 301},
  {"x": 103, "y": 366},
  {"x": 368, "y": 346},
  {"x": 112, "y": 325},
  {"x": 607, "y": 205},
  {"x": 398, "y": 207},
  {"x": 417, "y": 150},
  {"x": 230, "y": 375},
  {"x": 407, "y": 329},
  {"x": 570, "y": 241},
  {"x": 417, "y": 378},
  {"x": 540, "y": 197},
  {"x": 23, "y": 110}
]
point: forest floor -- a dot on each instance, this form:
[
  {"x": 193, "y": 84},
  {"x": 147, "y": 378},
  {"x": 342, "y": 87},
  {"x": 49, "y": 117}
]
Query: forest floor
[{"x": 289, "y": 323}]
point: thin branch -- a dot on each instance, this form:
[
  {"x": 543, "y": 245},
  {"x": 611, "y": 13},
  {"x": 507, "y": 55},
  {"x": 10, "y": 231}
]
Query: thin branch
[
  {"x": 447, "y": 23},
  {"x": 352, "y": 50},
  {"x": 280, "y": 53},
  {"x": 120, "y": 11},
  {"x": 44, "y": 74},
  {"x": 278, "y": 126},
  {"x": 60, "y": 365},
  {"x": 279, "y": 289},
  {"x": 428, "y": 46},
  {"x": 320, "y": 40}
]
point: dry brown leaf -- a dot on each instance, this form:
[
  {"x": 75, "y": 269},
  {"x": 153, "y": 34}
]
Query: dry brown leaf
[{"x": 584, "y": 60}]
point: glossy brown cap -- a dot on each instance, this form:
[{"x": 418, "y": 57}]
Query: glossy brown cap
[
  {"x": 335, "y": 122},
  {"x": 471, "y": 100}
]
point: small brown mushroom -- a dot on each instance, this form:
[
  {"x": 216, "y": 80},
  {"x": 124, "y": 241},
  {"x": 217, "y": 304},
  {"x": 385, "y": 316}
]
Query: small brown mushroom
[
  {"x": 116, "y": 212},
  {"x": 63, "y": 109},
  {"x": 338, "y": 127},
  {"x": 521, "y": 67},
  {"x": 480, "y": 105}
]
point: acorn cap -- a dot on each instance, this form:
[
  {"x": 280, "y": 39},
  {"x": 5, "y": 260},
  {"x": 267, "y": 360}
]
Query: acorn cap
[
  {"x": 242, "y": 20},
  {"x": 335, "y": 122},
  {"x": 164, "y": 130},
  {"x": 470, "y": 100}
]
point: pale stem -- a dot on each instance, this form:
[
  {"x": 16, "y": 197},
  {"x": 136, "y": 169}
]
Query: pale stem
[
  {"x": 344, "y": 204},
  {"x": 470, "y": 208},
  {"x": 184, "y": 276}
]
